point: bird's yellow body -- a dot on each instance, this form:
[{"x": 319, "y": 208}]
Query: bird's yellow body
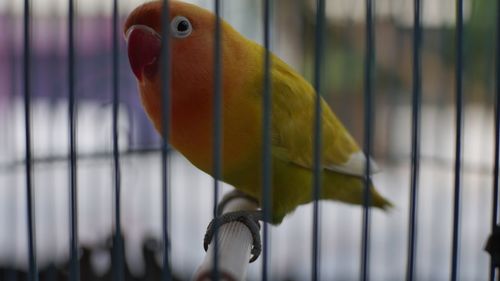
[{"x": 292, "y": 115}]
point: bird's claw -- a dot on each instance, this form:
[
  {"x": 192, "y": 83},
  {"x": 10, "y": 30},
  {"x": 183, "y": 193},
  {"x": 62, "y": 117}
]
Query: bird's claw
[{"x": 249, "y": 218}]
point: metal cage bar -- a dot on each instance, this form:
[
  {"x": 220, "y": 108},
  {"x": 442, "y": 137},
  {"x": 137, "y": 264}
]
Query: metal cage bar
[
  {"x": 415, "y": 140},
  {"x": 318, "y": 142},
  {"x": 73, "y": 198},
  {"x": 266, "y": 140},
  {"x": 165, "y": 71},
  {"x": 368, "y": 138},
  {"x": 217, "y": 130},
  {"x": 118, "y": 256},
  {"x": 458, "y": 141},
  {"x": 33, "y": 269},
  {"x": 496, "y": 165}
]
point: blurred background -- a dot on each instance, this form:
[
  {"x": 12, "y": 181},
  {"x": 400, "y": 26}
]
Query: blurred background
[{"x": 191, "y": 190}]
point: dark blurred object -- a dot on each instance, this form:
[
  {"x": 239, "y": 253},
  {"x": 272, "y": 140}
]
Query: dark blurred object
[
  {"x": 151, "y": 249},
  {"x": 49, "y": 273},
  {"x": 493, "y": 246}
]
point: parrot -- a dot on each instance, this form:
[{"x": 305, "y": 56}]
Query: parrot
[{"x": 191, "y": 39}]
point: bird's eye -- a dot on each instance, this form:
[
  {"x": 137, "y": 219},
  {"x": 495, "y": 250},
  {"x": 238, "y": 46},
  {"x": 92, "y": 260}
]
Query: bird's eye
[{"x": 181, "y": 27}]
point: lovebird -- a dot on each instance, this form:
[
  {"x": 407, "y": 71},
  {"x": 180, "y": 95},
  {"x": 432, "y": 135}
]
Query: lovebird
[{"x": 192, "y": 103}]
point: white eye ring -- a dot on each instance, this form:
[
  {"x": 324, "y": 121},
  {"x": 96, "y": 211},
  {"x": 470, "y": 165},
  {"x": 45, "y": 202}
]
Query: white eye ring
[{"x": 181, "y": 27}]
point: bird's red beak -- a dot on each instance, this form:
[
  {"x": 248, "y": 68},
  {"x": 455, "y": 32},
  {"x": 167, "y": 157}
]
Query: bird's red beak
[{"x": 144, "y": 48}]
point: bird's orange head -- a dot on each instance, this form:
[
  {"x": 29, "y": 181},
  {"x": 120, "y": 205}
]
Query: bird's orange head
[
  {"x": 191, "y": 40},
  {"x": 192, "y": 44}
]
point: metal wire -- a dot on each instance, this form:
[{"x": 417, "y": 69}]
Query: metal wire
[
  {"x": 165, "y": 72},
  {"x": 118, "y": 264},
  {"x": 33, "y": 270},
  {"x": 496, "y": 167},
  {"x": 266, "y": 150},
  {"x": 458, "y": 141},
  {"x": 217, "y": 133},
  {"x": 368, "y": 108},
  {"x": 415, "y": 143},
  {"x": 318, "y": 66},
  {"x": 73, "y": 231}
]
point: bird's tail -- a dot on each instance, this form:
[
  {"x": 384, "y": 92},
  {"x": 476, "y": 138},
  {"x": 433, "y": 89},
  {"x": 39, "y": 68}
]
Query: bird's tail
[{"x": 350, "y": 189}]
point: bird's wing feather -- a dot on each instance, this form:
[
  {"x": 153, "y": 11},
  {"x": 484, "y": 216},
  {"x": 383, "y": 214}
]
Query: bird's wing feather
[{"x": 292, "y": 119}]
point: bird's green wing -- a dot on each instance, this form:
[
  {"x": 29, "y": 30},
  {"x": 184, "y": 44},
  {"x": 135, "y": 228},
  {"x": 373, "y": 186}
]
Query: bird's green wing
[{"x": 293, "y": 129}]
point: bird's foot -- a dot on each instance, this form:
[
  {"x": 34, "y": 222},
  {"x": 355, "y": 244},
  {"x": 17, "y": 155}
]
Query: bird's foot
[{"x": 249, "y": 218}]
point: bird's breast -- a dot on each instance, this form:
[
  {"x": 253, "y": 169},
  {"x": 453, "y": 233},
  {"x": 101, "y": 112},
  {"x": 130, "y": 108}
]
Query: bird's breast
[{"x": 192, "y": 133}]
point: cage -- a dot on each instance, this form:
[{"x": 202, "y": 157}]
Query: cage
[{"x": 89, "y": 191}]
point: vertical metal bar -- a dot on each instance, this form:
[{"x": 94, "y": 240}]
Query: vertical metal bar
[
  {"x": 318, "y": 135},
  {"x": 73, "y": 231},
  {"x": 266, "y": 150},
  {"x": 33, "y": 270},
  {"x": 165, "y": 117},
  {"x": 368, "y": 108},
  {"x": 217, "y": 133},
  {"x": 458, "y": 141},
  {"x": 494, "y": 210},
  {"x": 415, "y": 143},
  {"x": 118, "y": 257}
]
